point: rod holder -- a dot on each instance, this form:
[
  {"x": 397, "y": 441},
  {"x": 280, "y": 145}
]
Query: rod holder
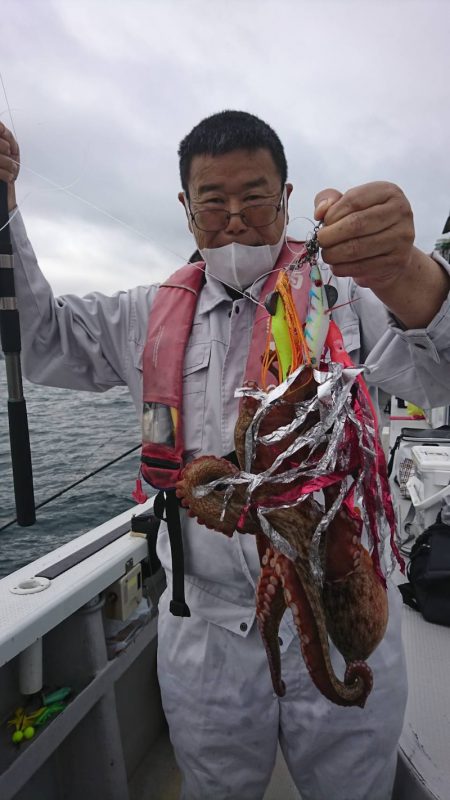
[{"x": 30, "y": 669}]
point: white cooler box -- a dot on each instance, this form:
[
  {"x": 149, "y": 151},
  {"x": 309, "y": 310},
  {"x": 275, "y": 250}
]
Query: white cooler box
[{"x": 431, "y": 483}]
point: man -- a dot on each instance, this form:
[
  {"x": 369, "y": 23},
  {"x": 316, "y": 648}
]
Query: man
[{"x": 225, "y": 720}]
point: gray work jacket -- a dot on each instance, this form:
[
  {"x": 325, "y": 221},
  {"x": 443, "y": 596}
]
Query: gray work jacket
[{"x": 95, "y": 342}]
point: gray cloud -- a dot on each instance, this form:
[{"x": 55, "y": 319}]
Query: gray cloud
[{"x": 102, "y": 93}]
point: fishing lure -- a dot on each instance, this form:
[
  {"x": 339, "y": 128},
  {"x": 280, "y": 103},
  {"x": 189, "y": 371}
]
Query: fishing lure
[
  {"x": 317, "y": 320},
  {"x": 294, "y": 343}
]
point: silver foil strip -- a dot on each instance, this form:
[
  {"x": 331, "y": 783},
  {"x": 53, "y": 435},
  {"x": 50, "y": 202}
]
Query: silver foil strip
[
  {"x": 332, "y": 393},
  {"x": 302, "y": 410},
  {"x": 334, "y": 402},
  {"x": 267, "y": 398},
  {"x": 249, "y": 448},
  {"x": 329, "y": 459},
  {"x": 202, "y": 490},
  {"x": 278, "y": 541},
  {"x": 314, "y": 556},
  {"x": 226, "y": 499},
  {"x": 367, "y": 449}
]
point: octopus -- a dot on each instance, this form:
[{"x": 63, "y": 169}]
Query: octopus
[{"x": 349, "y": 605}]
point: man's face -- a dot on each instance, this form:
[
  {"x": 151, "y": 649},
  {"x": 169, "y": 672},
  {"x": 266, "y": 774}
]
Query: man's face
[{"x": 233, "y": 181}]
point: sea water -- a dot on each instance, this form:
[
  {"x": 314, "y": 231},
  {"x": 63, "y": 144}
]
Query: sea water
[{"x": 72, "y": 433}]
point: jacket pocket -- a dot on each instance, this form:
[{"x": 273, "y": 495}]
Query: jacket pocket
[
  {"x": 195, "y": 376},
  {"x": 138, "y": 355},
  {"x": 196, "y": 361}
]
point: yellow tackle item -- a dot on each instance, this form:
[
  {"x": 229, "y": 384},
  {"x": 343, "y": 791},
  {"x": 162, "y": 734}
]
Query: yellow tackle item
[
  {"x": 174, "y": 415},
  {"x": 414, "y": 411},
  {"x": 286, "y": 331},
  {"x": 282, "y": 339}
]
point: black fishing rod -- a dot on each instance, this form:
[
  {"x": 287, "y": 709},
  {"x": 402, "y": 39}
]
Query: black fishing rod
[
  {"x": 447, "y": 225},
  {"x": 10, "y": 341}
]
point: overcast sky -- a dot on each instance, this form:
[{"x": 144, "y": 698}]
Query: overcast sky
[{"x": 101, "y": 93}]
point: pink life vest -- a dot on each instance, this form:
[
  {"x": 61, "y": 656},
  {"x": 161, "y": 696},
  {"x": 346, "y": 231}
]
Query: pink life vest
[{"x": 169, "y": 328}]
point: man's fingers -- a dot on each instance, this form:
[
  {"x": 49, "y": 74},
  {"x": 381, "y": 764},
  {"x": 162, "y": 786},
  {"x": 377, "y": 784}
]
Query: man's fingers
[
  {"x": 5, "y": 147},
  {"x": 374, "y": 273},
  {"x": 6, "y": 134},
  {"x": 362, "y": 197},
  {"x": 8, "y": 168},
  {"x": 368, "y": 233},
  {"x": 359, "y": 249},
  {"x": 323, "y": 201},
  {"x": 8, "y": 143},
  {"x": 358, "y": 223},
  {"x": 9, "y": 155}
]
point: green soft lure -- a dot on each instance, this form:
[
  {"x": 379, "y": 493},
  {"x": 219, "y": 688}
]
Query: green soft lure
[{"x": 282, "y": 339}]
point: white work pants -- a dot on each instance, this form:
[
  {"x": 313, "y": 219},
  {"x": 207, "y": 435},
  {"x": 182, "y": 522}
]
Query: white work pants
[{"x": 225, "y": 720}]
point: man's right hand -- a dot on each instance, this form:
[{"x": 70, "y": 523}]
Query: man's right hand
[{"x": 9, "y": 162}]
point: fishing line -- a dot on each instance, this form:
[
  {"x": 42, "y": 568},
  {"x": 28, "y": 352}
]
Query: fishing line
[
  {"x": 100, "y": 210},
  {"x": 9, "y": 108},
  {"x": 13, "y": 214},
  {"x": 66, "y": 189},
  {"x": 341, "y": 305},
  {"x": 309, "y": 235},
  {"x": 124, "y": 224},
  {"x": 94, "y": 206},
  {"x": 76, "y": 483}
]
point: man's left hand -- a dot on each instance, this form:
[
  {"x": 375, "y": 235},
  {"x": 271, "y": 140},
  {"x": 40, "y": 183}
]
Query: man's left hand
[{"x": 368, "y": 233}]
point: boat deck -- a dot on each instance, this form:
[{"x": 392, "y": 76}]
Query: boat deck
[
  {"x": 424, "y": 765},
  {"x": 133, "y": 757}
]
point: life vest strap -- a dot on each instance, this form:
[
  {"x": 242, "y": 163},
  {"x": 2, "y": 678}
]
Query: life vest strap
[
  {"x": 167, "y": 501},
  {"x": 148, "y": 524}
]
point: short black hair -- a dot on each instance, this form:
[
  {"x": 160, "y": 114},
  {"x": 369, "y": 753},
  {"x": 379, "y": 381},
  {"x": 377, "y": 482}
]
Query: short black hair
[{"x": 227, "y": 131}]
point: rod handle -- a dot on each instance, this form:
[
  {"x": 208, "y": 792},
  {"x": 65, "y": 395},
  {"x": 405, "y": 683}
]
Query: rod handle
[{"x": 21, "y": 462}]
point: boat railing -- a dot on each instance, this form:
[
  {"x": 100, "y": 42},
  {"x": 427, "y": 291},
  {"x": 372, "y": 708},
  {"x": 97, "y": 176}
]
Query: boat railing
[{"x": 52, "y": 635}]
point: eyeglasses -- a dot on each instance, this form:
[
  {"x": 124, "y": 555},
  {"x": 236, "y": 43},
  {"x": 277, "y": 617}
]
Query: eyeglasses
[{"x": 257, "y": 216}]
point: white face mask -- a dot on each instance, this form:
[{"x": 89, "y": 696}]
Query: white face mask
[{"x": 240, "y": 265}]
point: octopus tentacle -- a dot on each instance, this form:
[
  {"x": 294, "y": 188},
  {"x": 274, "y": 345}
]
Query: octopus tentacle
[
  {"x": 249, "y": 407},
  {"x": 304, "y": 598},
  {"x": 309, "y": 619},
  {"x": 356, "y": 610},
  {"x": 270, "y": 607},
  {"x": 355, "y": 601},
  {"x": 208, "y": 509}
]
